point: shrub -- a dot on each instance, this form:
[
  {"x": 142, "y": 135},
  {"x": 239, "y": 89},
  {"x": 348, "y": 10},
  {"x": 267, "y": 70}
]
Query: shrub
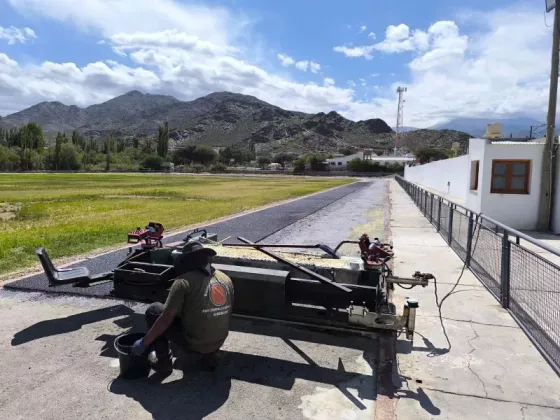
[
  {"x": 153, "y": 162},
  {"x": 218, "y": 168}
]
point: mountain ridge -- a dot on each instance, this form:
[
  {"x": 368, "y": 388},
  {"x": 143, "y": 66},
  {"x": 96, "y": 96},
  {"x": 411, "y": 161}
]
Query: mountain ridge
[
  {"x": 519, "y": 127},
  {"x": 220, "y": 119}
]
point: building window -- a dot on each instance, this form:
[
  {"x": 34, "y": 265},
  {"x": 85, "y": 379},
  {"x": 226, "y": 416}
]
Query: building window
[
  {"x": 332, "y": 164},
  {"x": 475, "y": 164},
  {"x": 510, "y": 176},
  {"x": 339, "y": 163}
]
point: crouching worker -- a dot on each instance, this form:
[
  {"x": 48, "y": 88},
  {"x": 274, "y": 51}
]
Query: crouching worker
[{"x": 196, "y": 314}]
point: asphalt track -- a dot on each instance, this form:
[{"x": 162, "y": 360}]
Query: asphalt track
[{"x": 255, "y": 226}]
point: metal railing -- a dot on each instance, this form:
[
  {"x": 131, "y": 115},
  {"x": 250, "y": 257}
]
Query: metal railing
[{"x": 525, "y": 282}]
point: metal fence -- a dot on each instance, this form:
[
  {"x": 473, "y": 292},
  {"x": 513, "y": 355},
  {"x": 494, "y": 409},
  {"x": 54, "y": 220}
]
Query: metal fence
[{"x": 523, "y": 278}]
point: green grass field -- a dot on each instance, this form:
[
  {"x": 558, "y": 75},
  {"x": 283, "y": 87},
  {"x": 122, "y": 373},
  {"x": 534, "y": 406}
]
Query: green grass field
[{"x": 75, "y": 213}]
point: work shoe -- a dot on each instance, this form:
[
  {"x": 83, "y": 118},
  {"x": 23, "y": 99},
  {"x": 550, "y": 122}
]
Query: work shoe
[{"x": 163, "y": 365}]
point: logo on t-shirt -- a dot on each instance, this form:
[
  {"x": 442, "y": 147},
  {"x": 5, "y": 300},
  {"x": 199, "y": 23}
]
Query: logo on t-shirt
[{"x": 218, "y": 294}]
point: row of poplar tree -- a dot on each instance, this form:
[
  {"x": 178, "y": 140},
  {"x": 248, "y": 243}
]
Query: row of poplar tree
[{"x": 26, "y": 149}]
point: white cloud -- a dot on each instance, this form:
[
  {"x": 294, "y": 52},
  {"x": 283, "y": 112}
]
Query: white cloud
[
  {"x": 130, "y": 16},
  {"x": 314, "y": 67},
  {"x": 399, "y": 39},
  {"x": 172, "y": 39},
  {"x": 183, "y": 68},
  {"x": 17, "y": 35},
  {"x": 371, "y": 35},
  {"x": 362, "y": 81},
  {"x": 398, "y": 32},
  {"x": 446, "y": 44},
  {"x": 355, "y": 52},
  {"x": 374, "y": 75},
  {"x": 363, "y": 28},
  {"x": 286, "y": 60},
  {"x": 327, "y": 81},
  {"x": 302, "y": 65},
  {"x": 499, "y": 70}
]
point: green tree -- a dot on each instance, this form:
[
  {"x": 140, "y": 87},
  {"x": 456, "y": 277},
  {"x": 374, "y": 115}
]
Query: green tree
[
  {"x": 204, "y": 155},
  {"x": 120, "y": 145},
  {"x": 283, "y": 158},
  {"x": 163, "y": 140},
  {"x": 135, "y": 142},
  {"x": 237, "y": 154},
  {"x": 263, "y": 161},
  {"x": 69, "y": 157},
  {"x": 299, "y": 165},
  {"x": 13, "y": 137},
  {"x": 30, "y": 136},
  {"x": 148, "y": 147},
  {"x": 184, "y": 155},
  {"x": 430, "y": 155},
  {"x": 58, "y": 146},
  {"x": 75, "y": 138},
  {"x": 38, "y": 139},
  {"x": 9, "y": 159},
  {"x": 154, "y": 162},
  {"x": 346, "y": 151},
  {"x": 316, "y": 162},
  {"x": 30, "y": 160}
]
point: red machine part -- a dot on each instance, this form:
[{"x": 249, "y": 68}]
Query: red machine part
[
  {"x": 150, "y": 237},
  {"x": 374, "y": 254}
]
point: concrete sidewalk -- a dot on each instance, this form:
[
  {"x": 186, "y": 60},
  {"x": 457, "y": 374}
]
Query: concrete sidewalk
[{"x": 491, "y": 370}]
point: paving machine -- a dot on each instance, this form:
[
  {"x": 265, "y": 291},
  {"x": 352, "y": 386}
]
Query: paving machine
[{"x": 321, "y": 288}]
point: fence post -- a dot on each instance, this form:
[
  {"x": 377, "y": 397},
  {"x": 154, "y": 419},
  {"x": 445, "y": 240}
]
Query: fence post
[
  {"x": 432, "y": 209},
  {"x": 425, "y": 203},
  {"x": 450, "y": 224},
  {"x": 439, "y": 214},
  {"x": 505, "y": 274},
  {"x": 469, "y": 239}
]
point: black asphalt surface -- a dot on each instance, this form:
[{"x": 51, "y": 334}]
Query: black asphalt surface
[{"x": 255, "y": 226}]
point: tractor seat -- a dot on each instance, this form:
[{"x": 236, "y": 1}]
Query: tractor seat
[{"x": 58, "y": 276}]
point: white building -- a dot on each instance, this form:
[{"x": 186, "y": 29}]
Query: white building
[
  {"x": 501, "y": 179},
  {"x": 340, "y": 163}
]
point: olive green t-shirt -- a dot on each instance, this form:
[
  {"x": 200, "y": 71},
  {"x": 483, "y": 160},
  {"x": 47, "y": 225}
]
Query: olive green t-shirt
[{"x": 204, "y": 303}]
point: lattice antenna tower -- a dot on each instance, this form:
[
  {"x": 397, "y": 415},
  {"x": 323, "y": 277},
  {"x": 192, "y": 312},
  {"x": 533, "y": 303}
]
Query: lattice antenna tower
[{"x": 400, "y": 116}]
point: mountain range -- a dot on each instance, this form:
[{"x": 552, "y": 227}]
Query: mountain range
[
  {"x": 224, "y": 119},
  {"x": 512, "y": 127}
]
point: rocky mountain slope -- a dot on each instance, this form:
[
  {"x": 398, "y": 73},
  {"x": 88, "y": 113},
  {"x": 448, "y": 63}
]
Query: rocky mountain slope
[{"x": 223, "y": 119}]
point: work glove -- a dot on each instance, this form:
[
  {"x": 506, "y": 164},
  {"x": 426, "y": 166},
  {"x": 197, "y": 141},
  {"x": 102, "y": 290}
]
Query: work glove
[{"x": 139, "y": 347}]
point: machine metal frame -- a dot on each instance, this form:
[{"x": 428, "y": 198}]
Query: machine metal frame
[{"x": 354, "y": 299}]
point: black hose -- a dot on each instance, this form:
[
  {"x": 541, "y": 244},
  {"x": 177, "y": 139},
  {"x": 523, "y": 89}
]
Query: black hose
[{"x": 440, "y": 303}]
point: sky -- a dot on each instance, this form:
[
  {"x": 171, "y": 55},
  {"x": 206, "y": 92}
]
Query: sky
[{"x": 470, "y": 58}]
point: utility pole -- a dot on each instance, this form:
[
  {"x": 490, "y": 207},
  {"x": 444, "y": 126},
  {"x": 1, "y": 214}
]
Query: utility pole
[
  {"x": 400, "y": 116},
  {"x": 545, "y": 204}
]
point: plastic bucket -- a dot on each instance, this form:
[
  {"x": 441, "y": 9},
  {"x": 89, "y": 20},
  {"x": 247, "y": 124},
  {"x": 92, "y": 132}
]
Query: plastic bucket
[{"x": 131, "y": 366}]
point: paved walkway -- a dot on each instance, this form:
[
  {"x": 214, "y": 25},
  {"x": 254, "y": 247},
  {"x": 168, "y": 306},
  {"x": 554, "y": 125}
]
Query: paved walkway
[{"x": 492, "y": 370}]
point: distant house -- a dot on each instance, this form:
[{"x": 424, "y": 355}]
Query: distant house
[{"x": 340, "y": 163}]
